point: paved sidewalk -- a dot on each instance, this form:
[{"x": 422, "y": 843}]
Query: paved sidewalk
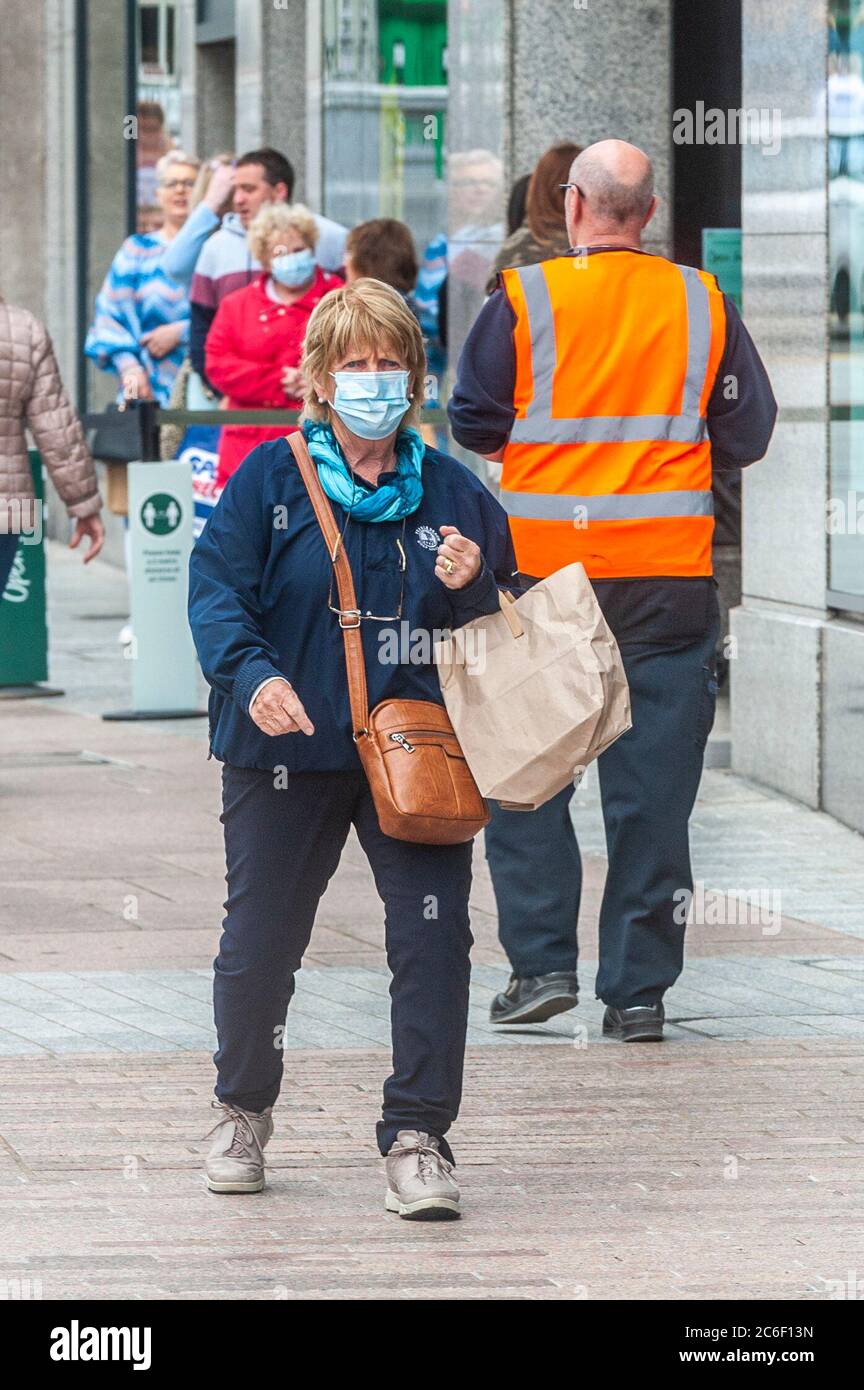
[
  {"x": 725, "y": 1163},
  {"x": 711, "y": 1170}
]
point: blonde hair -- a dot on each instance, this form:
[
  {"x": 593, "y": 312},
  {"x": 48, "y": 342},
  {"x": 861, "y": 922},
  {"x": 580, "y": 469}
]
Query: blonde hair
[
  {"x": 367, "y": 313},
  {"x": 191, "y": 161},
  {"x": 280, "y": 217}
]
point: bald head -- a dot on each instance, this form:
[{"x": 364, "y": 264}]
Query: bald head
[{"x": 617, "y": 184}]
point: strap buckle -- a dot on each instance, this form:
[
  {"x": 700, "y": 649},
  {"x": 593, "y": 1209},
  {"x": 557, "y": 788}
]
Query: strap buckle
[{"x": 348, "y": 613}]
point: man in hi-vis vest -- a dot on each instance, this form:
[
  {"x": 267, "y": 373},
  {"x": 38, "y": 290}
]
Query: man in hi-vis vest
[{"x": 609, "y": 382}]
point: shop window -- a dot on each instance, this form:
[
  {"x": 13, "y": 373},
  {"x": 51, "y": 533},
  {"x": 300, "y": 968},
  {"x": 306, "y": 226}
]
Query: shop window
[
  {"x": 845, "y": 114},
  {"x": 157, "y": 30}
]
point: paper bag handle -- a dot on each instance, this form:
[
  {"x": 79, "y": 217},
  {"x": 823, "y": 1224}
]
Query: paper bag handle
[{"x": 508, "y": 608}]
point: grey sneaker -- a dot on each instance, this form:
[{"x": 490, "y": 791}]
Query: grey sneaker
[
  {"x": 235, "y": 1162},
  {"x": 419, "y": 1185}
]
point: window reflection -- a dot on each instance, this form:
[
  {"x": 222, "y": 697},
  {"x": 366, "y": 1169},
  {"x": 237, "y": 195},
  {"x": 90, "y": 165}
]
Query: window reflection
[
  {"x": 845, "y": 112},
  {"x": 385, "y": 99}
]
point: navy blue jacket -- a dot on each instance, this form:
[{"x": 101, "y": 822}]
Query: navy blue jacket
[{"x": 258, "y": 586}]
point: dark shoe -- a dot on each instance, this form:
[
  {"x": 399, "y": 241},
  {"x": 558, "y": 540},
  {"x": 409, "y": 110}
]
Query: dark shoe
[
  {"x": 642, "y": 1024},
  {"x": 535, "y": 998}
]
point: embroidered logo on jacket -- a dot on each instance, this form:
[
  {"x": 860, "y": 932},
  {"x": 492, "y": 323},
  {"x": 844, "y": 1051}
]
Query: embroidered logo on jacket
[{"x": 427, "y": 537}]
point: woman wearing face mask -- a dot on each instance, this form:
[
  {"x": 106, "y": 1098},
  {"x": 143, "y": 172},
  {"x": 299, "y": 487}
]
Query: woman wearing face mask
[
  {"x": 255, "y": 343},
  {"x": 427, "y": 545},
  {"x": 140, "y": 327}
]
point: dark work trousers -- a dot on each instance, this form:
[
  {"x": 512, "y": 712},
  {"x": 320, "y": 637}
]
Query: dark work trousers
[
  {"x": 648, "y": 783},
  {"x": 282, "y": 845}
]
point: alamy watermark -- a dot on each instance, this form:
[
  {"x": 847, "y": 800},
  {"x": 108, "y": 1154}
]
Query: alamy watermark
[
  {"x": 22, "y": 516},
  {"x": 735, "y": 126},
  {"x": 845, "y": 516},
  {"x": 404, "y": 645},
  {"x": 760, "y": 907}
]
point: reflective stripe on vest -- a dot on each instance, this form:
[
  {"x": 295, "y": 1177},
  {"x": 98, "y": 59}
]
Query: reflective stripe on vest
[
  {"x": 538, "y": 425},
  {"x": 615, "y": 506}
]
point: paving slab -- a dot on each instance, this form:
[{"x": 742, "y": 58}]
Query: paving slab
[{"x": 602, "y": 1173}]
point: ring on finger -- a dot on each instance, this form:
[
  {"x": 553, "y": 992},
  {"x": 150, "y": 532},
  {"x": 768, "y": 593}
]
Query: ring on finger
[{"x": 449, "y": 566}]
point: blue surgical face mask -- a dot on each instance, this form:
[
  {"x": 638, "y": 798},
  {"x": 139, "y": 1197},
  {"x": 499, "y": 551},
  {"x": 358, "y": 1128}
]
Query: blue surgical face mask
[
  {"x": 293, "y": 268},
  {"x": 371, "y": 404}
]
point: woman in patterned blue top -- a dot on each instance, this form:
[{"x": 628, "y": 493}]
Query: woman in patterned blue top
[{"x": 140, "y": 328}]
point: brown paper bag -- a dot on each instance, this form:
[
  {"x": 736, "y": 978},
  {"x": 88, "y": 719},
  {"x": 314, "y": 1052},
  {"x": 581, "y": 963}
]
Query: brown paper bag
[{"x": 536, "y": 691}]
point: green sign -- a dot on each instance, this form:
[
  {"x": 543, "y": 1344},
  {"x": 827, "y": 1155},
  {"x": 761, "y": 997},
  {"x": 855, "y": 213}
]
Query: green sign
[
  {"x": 721, "y": 255},
  {"x": 161, "y": 514},
  {"x": 23, "y": 622},
  {"x": 164, "y": 664}
]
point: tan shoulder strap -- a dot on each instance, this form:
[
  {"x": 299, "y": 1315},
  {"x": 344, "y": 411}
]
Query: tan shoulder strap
[{"x": 349, "y": 619}]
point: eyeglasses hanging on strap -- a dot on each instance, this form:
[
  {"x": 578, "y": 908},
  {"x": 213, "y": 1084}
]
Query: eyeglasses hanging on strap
[{"x": 352, "y": 617}]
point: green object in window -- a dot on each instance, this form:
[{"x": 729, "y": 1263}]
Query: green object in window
[
  {"x": 721, "y": 255},
  {"x": 412, "y": 41}
]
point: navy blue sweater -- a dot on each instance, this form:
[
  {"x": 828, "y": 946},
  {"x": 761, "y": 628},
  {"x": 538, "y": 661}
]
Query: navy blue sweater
[{"x": 258, "y": 585}]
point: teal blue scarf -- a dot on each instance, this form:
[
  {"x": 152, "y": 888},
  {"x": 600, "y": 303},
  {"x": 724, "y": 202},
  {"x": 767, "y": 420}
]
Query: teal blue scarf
[{"x": 389, "y": 501}]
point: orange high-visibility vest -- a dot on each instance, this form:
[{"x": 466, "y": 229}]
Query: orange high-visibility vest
[{"x": 609, "y": 460}]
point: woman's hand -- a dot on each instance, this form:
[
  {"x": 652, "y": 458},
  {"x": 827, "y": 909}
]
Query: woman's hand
[
  {"x": 277, "y": 710},
  {"x": 92, "y": 528},
  {"x": 136, "y": 385},
  {"x": 162, "y": 340},
  {"x": 293, "y": 383},
  {"x": 459, "y": 559}
]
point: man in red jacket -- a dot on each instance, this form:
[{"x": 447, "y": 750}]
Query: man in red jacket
[{"x": 256, "y": 341}]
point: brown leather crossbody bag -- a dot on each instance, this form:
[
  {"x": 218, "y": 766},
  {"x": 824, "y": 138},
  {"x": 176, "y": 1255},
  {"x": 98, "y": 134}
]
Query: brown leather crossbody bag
[{"x": 421, "y": 784}]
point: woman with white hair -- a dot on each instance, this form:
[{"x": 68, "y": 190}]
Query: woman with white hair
[
  {"x": 427, "y": 545},
  {"x": 256, "y": 341},
  {"x": 140, "y": 328}
]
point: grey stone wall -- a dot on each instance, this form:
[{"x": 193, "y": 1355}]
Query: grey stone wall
[
  {"x": 22, "y": 154},
  {"x": 270, "y": 92},
  {"x": 215, "y": 99},
  {"x": 527, "y": 74},
  {"x": 283, "y": 116},
  {"x": 594, "y": 73}
]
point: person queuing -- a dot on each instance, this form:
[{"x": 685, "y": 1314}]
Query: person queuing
[
  {"x": 225, "y": 262},
  {"x": 152, "y": 141},
  {"x": 383, "y": 249},
  {"x": 427, "y": 542},
  {"x": 256, "y": 341},
  {"x": 32, "y": 396},
  {"x": 542, "y": 233},
  {"x": 603, "y": 387},
  {"x": 140, "y": 328},
  {"x": 211, "y": 200}
]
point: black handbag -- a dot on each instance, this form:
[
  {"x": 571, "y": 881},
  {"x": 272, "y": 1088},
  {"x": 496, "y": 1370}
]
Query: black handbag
[{"x": 124, "y": 433}]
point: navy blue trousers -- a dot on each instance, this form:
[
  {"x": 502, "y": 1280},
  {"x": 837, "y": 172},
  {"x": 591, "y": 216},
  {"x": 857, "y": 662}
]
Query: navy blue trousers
[
  {"x": 649, "y": 779},
  {"x": 282, "y": 846}
]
